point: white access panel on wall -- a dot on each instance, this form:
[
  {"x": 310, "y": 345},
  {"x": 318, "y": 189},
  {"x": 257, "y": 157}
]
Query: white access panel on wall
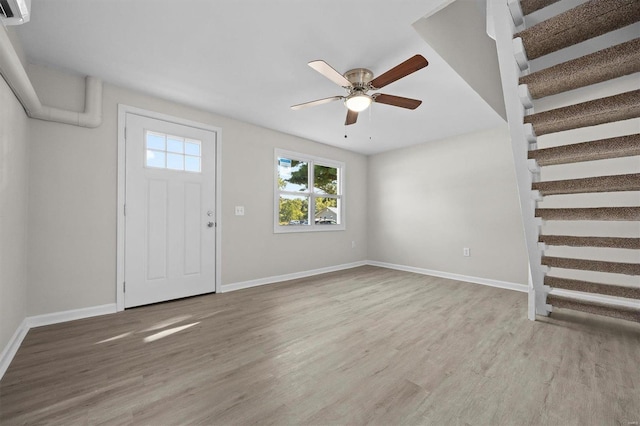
[{"x": 170, "y": 220}]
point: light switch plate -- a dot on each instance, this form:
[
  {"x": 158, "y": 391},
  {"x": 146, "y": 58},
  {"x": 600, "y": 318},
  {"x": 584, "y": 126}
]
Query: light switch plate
[{"x": 239, "y": 210}]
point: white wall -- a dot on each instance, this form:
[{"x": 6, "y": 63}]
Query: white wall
[
  {"x": 72, "y": 200},
  {"x": 13, "y": 213},
  {"x": 429, "y": 201}
]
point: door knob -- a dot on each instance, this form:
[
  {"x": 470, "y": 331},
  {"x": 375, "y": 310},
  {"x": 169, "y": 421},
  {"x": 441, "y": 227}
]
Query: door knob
[{"x": 210, "y": 224}]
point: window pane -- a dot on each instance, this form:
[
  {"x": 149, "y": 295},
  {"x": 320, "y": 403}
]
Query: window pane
[
  {"x": 292, "y": 175},
  {"x": 175, "y": 144},
  {"x": 325, "y": 180},
  {"x": 155, "y": 158},
  {"x": 294, "y": 210},
  {"x": 192, "y": 147},
  {"x": 155, "y": 141},
  {"x": 175, "y": 161},
  {"x": 327, "y": 211},
  {"x": 191, "y": 164}
]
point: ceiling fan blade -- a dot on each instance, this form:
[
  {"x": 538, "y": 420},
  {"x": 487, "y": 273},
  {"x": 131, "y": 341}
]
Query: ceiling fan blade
[
  {"x": 352, "y": 117},
  {"x": 398, "y": 101},
  {"x": 409, "y": 66},
  {"x": 327, "y": 70},
  {"x": 316, "y": 102}
]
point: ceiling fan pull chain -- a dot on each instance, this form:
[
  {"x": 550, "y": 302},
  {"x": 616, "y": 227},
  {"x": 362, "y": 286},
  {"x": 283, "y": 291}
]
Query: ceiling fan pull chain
[{"x": 370, "y": 121}]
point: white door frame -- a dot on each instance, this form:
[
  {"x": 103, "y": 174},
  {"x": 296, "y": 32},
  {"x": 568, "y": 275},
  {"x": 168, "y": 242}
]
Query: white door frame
[{"x": 123, "y": 110}]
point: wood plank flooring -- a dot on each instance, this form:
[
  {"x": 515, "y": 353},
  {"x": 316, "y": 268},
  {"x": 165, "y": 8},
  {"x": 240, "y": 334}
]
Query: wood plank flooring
[{"x": 362, "y": 346}]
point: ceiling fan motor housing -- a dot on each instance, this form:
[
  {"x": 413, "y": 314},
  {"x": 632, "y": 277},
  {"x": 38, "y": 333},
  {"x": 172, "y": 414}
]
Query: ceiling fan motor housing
[{"x": 359, "y": 78}]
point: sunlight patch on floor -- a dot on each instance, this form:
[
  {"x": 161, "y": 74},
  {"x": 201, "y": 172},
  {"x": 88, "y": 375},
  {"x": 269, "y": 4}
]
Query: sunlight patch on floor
[
  {"x": 119, "y": 336},
  {"x": 165, "y": 333},
  {"x": 166, "y": 323}
]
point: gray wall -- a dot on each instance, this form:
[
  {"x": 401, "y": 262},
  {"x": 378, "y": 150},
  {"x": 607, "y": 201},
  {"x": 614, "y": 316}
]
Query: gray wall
[
  {"x": 72, "y": 200},
  {"x": 459, "y": 34},
  {"x": 14, "y": 147},
  {"x": 429, "y": 201}
]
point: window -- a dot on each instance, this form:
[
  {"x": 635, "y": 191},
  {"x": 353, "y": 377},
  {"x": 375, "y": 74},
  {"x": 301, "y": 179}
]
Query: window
[
  {"x": 172, "y": 152},
  {"x": 308, "y": 193}
]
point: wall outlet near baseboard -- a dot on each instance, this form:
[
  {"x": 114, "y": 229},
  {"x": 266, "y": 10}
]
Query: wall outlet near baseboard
[
  {"x": 353, "y": 244},
  {"x": 466, "y": 252}
]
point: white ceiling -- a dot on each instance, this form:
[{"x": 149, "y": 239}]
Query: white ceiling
[{"x": 247, "y": 59}]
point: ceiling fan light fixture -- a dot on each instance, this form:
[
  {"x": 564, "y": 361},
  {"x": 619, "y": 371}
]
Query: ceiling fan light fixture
[{"x": 358, "y": 102}]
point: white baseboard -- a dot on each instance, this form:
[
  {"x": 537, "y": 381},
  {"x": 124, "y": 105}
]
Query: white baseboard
[
  {"x": 524, "y": 288},
  {"x": 74, "y": 314},
  {"x": 287, "y": 277},
  {"x": 12, "y": 346},
  {"x": 47, "y": 319}
]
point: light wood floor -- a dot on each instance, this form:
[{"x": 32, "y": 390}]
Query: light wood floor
[{"x": 367, "y": 345}]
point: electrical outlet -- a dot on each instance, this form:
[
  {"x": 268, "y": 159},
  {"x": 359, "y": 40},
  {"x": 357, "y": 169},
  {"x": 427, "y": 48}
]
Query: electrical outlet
[
  {"x": 353, "y": 244},
  {"x": 239, "y": 210},
  {"x": 466, "y": 252}
]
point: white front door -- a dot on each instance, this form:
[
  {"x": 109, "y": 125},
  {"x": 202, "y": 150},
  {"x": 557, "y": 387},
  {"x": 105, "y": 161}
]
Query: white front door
[{"x": 169, "y": 211}]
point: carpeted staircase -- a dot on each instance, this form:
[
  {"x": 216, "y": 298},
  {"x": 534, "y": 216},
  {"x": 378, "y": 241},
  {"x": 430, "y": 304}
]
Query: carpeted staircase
[{"x": 555, "y": 69}]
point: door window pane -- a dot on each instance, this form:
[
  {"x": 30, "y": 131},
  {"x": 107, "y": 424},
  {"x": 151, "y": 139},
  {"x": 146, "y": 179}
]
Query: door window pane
[
  {"x": 155, "y": 141},
  {"x": 175, "y": 144},
  {"x": 192, "y": 147},
  {"x": 192, "y": 164},
  {"x": 155, "y": 159},
  {"x": 175, "y": 161}
]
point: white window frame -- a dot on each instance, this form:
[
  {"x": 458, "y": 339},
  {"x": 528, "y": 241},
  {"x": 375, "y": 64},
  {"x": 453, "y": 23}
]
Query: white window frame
[{"x": 312, "y": 161}]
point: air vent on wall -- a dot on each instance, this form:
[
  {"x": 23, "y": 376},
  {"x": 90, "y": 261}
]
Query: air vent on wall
[{"x": 15, "y": 12}]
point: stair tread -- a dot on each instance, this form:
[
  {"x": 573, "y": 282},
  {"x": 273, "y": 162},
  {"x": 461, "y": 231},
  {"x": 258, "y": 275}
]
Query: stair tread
[
  {"x": 606, "y": 64},
  {"x": 615, "y": 183},
  {"x": 598, "y": 111},
  {"x": 592, "y": 265},
  {"x": 589, "y": 213},
  {"x": 573, "y": 241},
  {"x": 591, "y": 287},
  {"x": 623, "y": 146},
  {"x": 588, "y": 20},
  {"x": 530, "y": 6},
  {"x": 624, "y": 313}
]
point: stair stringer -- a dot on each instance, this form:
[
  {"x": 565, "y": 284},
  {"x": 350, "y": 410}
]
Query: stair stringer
[{"x": 510, "y": 74}]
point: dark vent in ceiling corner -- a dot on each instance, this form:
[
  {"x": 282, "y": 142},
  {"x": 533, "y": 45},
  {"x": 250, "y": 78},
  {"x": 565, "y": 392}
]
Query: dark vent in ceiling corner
[{"x": 5, "y": 9}]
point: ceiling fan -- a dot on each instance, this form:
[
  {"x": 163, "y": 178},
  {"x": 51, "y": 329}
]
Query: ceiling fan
[{"x": 359, "y": 81}]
